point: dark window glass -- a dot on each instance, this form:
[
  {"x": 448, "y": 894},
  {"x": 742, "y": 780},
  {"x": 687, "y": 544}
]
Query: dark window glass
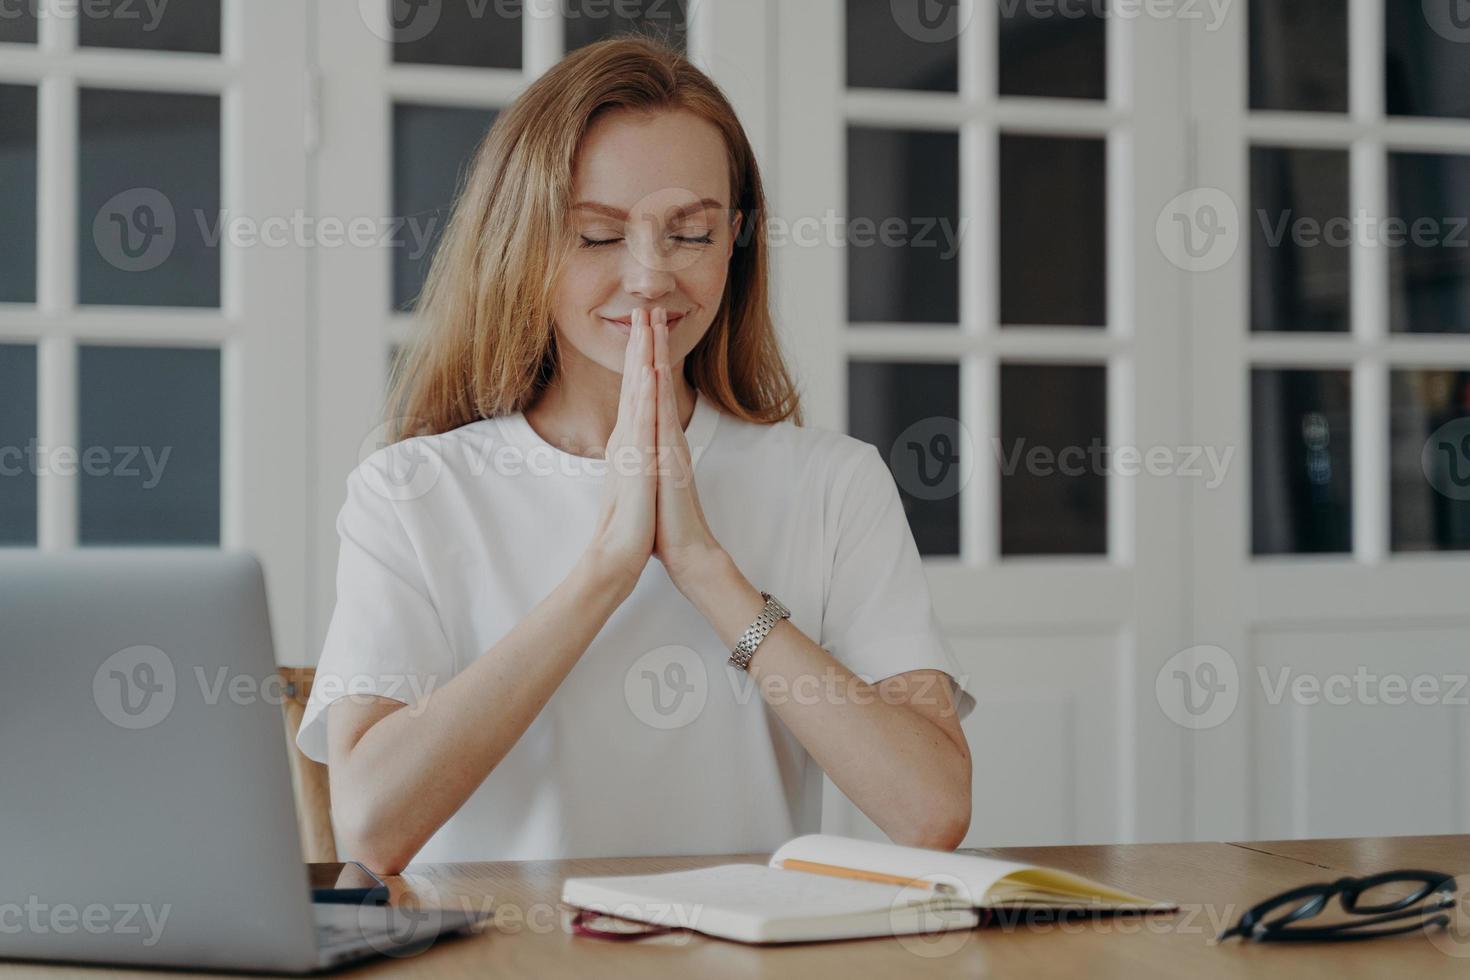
[
  {"x": 18, "y": 22},
  {"x": 1053, "y": 459},
  {"x": 1428, "y": 58},
  {"x": 1299, "y": 55},
  {"x": 1301, "y": 237},
  {"x": 898, "y": 47},
  {"x": 1301, "y": 461},
  {"x": 911, "y": 411},
  {"x": 149, "y": 452},
  {"x": 1429, "y": 263},
  {"x": 1053, "y": 231},
  {"x": 593, "y": 20},
  {"x": 470, "y": 33},
  {"x": 191, "y": 26},
  {"x": 148, "y": 192},
  {"x": 903, "y": 202},
  {"x": 18, "y": 461},
  {"x": 1430, "y": 435},
  {"x": 1054, "y": 50},
  {"x": 18, "y": 193},
  {"x": 433, "y": 147}
]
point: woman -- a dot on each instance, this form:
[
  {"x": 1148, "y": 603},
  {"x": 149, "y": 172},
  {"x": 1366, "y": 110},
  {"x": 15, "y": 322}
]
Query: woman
[{"x": 506, "y": 674}]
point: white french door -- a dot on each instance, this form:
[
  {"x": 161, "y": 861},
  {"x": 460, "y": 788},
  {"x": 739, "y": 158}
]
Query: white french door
[
  {"x": 153, "y": 332},
  {"x": 1331, "y": 307}
]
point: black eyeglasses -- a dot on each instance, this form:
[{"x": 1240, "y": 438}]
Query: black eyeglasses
[{"x": 1369, "y": 897}]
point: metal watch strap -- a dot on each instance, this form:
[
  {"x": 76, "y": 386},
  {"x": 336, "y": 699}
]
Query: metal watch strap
[{"x": 771, "y": 614}]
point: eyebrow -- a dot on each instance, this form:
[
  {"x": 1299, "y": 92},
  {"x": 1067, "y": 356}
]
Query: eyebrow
[{"x": 704, "y": 204}]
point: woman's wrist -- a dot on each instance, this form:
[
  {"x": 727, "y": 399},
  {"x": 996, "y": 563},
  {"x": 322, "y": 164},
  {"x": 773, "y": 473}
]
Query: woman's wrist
[{"x": 603, "y": 573}]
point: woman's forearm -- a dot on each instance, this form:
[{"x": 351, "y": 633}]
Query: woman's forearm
[
  {"x": 899, "y": 768},
  {"x": 414, "y": 767}
]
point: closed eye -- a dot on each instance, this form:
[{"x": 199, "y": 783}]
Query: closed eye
[{"x": 599, "y": 242}]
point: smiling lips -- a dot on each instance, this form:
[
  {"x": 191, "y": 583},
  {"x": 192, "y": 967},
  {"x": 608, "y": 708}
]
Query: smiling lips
[{"x": 626, "y": 323}]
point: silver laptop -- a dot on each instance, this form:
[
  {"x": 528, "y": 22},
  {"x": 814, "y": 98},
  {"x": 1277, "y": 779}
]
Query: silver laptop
[{"x": 146, "y": 812}]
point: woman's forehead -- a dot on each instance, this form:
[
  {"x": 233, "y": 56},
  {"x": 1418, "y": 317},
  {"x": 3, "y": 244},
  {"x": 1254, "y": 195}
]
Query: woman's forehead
[{"x": 649, "y": 163}]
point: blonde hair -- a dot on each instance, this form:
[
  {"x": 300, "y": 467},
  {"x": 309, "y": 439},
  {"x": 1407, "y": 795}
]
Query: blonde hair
[{"x": 485, "y": 343}]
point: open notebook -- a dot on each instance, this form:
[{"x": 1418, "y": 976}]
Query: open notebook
[{"x": 772, "y": 903}]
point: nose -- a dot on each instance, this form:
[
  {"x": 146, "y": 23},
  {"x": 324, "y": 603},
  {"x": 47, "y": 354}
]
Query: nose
[{"x": 643, "y": 278}]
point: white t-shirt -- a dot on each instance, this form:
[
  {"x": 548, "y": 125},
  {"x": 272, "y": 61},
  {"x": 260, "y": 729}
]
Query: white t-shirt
[{"x": 652, "y": 744}]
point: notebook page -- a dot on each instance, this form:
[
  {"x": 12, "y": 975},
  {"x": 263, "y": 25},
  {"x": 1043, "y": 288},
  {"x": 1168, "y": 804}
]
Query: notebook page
[{"x": 754, "y": 891}]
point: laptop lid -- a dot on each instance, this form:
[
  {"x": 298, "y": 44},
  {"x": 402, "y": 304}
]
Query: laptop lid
[{"x": 146, "y": 811}]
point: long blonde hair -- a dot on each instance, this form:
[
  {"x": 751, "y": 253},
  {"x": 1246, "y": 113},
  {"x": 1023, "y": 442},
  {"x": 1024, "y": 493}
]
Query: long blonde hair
[{"x": 485, "y": 343}]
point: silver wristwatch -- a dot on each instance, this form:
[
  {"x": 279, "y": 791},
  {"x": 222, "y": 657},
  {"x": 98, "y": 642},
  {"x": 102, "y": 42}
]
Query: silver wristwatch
[{"x": 771, "y": 614}]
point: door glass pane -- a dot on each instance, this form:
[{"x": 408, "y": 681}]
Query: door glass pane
[
  {"x": 1429, "y": 198},
  {"x": 1053, "y": 231},
  {"x": 903, "y": 243},
  {"x": 911, "y": 411},
  {"x": 471, "y": 33},
  {"x": 1299, "y": 55},
  {"x": 897, "y": 46},
  {"x": 1301, "y": 233},
  {"x": 18, "y": 462},
  {"x": 1428, "y": 62},
  {"x": 433, "y": 147},
  {"x": 18, "y": 23},
  {"x": 1053, "y": 459},
  {"x": 1054, "y": 50},
  {"x": 149, "y": 445},
  {"x": 153, "y": 26},
  {"x": 148, "y": 199},
  {"x": 18, "y": 193},
  {"x": 1430, "y": 432},
  {"x": 592, "y": 20},
  {"x": 1301, "y": 461}
]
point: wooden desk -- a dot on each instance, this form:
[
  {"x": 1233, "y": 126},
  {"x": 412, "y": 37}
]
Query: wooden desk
[{"x": 1213, "y": 882}]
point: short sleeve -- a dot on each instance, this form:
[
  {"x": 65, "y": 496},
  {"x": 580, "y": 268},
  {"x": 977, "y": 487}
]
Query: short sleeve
[
  {"x": 385, "y": 636},
  {"x": 879, "y": 617}
]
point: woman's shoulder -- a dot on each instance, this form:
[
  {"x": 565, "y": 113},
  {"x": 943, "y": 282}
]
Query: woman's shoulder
[{"x": 806, "y": 448}]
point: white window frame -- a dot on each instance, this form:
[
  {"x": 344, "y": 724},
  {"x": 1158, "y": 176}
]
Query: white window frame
[{"x": 260, "y": 326}]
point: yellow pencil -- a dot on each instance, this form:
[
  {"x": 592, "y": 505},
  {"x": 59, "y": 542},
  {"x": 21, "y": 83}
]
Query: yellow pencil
[{"x": 837, "y": 871}]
